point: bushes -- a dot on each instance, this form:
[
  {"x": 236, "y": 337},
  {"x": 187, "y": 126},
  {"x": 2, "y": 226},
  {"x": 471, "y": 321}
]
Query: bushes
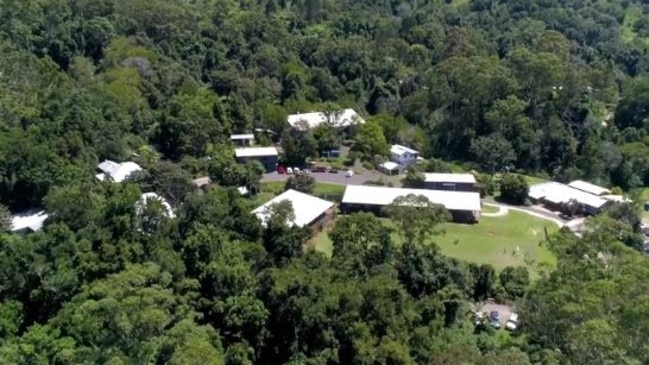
[{"x": 513, "y": 189}]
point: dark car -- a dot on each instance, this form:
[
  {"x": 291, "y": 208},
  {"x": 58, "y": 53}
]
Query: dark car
[
  {"x": 333, "y": 171},
  {"x": 319, "y": 169},
  {"x": 494, "y": 319}
]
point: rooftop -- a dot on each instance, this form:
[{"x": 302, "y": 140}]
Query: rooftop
[
  {"x": 589, "y": 188},
  {"x": 389, "y": 165},
  {"x": 201, "y": 181},
  {"x": 400, "y": 150},
  {"x": 32, "y": 221},
  {"x": 314, "y": 119},
  {"x": 558, "y": 193},
  {"x": 117, "y": 172},
  {"x": 382, "y": 196},
  {"x": 445, "y": 177},
  {"x": 306, "y": 207},
  {"x": 255, "y": 151},
  {"x": 236, "y": 137}
]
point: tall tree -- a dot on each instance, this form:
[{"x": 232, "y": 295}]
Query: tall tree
[{"x": 417, "y": 218}]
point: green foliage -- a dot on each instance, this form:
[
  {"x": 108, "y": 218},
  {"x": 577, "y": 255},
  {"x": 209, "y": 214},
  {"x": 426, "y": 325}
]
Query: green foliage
[
  {"x": 301, "y": 182},
  {"x": 370, "y": 141},
  {"x": 514, "y": 280},
  {"x": 416, "y": 217},
  {"x": 513, "y": 188}
]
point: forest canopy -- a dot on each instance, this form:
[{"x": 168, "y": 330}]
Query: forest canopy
[{"x": 553, "y": 88}]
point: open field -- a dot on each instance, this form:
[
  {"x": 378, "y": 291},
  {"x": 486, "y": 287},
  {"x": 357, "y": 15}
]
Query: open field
[{"x": 512, "y": 240}]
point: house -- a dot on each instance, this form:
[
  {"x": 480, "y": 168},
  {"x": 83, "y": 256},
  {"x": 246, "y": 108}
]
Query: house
[
  {"x": 243, "y": 140},
  {"x": 345, "y": 118},
  {"x": 268, "y": 156},
  {"x": 116, "y": 172},
  {"x": 148, "y": 197},
  {"x": 555, "y": 196},
  {"x": 28, "y": 222},
  {"x": 589, "y": 188},
  {"x": 309, "y": 211},
  {"x": 403, "y": 155},
  {"x": 451, "y": 182},
  {"x": 464, "y": 206}
]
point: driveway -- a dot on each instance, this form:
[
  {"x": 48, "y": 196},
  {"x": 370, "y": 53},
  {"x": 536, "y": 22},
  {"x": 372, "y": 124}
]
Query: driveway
[{"x": 325, "y": 177}]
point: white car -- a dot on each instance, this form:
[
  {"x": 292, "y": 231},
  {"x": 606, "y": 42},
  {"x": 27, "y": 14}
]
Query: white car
[
  {"x": 296, "y": 170},
  {"x": 289, "y": 171},
  {"x": 512, "y": 323},
  {"x": 349, "y": 173}
]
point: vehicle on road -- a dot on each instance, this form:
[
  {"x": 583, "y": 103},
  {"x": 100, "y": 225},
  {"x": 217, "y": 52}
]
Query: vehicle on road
[
  {"x": 296, "y": 170},
  {"x": 479, "y": 317},
  {"x": 349, "y": 173},
  {"x": 289, "y": 171},
  {"x": 494, "y": 319},
  {"x": 333, "y": 171}
]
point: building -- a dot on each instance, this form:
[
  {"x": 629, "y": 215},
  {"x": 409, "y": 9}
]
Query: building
[
  {"x": 304, "y": 121},
  {"x": 243, "y": 140},
  {"x": 116, "y": 172},
  {"x": 390, "y": 168},
  {"x": 556, "y": 196},
  {"x": 309, "y": 211},
  {"x": 148, "y": 197},
  {"x": 463, "y": 205},
  {"x": 589, "y": 188},
  {"x": 28, "y": 222},
  {"x": 403, "y": 155},
  {"x": 450, "y": 182},
  {"x": 268, "y": 156}
]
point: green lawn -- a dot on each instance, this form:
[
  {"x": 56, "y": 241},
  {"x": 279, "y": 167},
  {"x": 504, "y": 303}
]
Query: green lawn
[{"x": 493, "y": 240}]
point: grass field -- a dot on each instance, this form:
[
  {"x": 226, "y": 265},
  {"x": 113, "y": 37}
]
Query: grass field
[{"x": 512, "y": 240}]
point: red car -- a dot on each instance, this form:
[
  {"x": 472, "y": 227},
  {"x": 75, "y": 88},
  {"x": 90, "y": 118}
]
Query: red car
[{"x": 281, "y": 169}]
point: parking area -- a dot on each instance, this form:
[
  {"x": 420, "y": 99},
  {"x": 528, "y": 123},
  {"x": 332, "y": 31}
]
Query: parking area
[
  {"x": 503, "y": 310},
  {"x": 339, "y": 178}
]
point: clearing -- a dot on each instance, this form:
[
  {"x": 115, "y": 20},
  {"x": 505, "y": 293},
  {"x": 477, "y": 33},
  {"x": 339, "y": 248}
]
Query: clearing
[{"x": 511, "y": 240}]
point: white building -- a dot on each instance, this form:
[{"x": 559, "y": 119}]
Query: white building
[
  {"x": 309, "y": 210},
  {"x": 589, "y": 188},
  {"x": 247, "y": 139},
  {"x": 311, "y": 120},
  {"x": 448, "y": 181},
  {"x": 28, "y": 222},
  {"x": 554, "y": 194},
  {"x": 403, "y": 155},
  {"x": 268, "y": 156},
  {"x": 464, "y": 205},
  {"x": 116, "y": 172}
]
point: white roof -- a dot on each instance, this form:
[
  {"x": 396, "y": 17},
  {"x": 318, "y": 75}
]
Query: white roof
[
  {"x": 589, "y": 188},
  {"x": 382, "y": 196},
  {"x": 255, "y": 151},
  {"x": 558, "y": 193},
  {"x": 306, "y": 207},
  {"x": 389, "y": 165},
  {"x": 398, "y": 149},
  {"x": 346, "y": 118},
  {"x": 243, "y": 190},
  {"x": 33, "y": 221},
  {"x": 117, "y": 172},
  {"x": 146, "y": 197},
  {"x": 242, "y": 136},
  {"x": 452, "y": 178},
  {"x": 513, "y": 317},
  {"x": 617, "y": 198}
]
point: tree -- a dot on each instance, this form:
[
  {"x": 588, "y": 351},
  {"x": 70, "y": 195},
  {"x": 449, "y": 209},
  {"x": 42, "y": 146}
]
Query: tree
[
  {"x": 414, "y": 177},
  {"x": 416, "y": 217},
  {"x": 5, "y": 219},
  {"x": 514, "y": 280},
  {"x": 514, "y": 189},
  {"x": 494, "y": 152},
  {"x": 301, "y": 182},
  {"x": 370, "y": 141}
]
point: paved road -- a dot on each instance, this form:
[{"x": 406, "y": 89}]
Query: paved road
[{"x": 326, "y": 177}]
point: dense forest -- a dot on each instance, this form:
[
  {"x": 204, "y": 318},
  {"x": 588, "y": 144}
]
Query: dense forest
[{"x": 555, "y": 88}]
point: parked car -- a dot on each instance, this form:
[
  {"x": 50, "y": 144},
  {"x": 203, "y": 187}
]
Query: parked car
[
  {"x": 319, "y": 169},
  {"x": 349, "y": 173},
  {"x": 289, "y": 171},
  {"x": 479, "y": 316},
  {"x": 494, "y": 319},
  {"x": 296, "y": 170},
  {"x": 333, "y": 171},
  {"x": 512, "y": 323}
]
